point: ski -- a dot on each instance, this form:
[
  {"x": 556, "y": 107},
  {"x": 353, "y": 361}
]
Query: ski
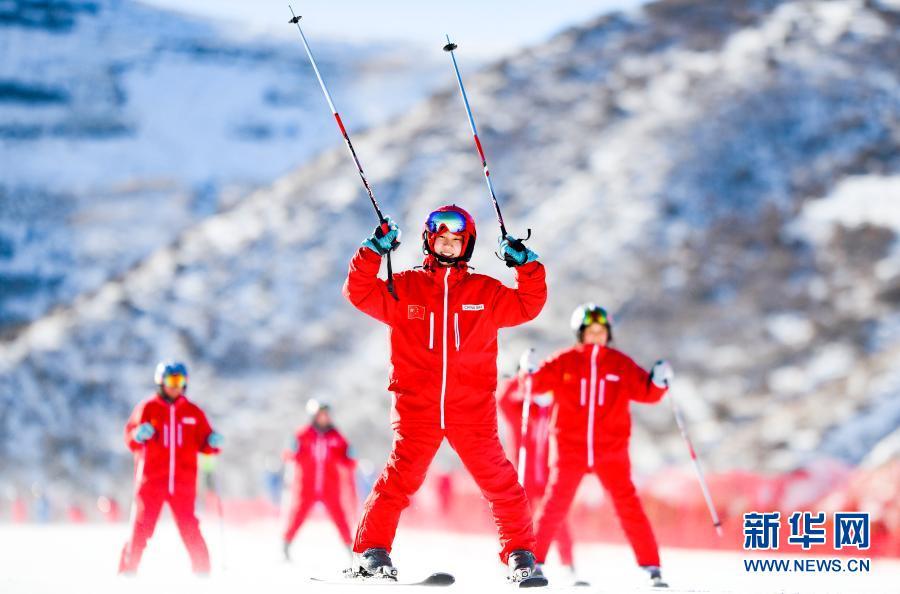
[
  {"x": 534, "y": 581},
  {"x": 438, "y": 579}
]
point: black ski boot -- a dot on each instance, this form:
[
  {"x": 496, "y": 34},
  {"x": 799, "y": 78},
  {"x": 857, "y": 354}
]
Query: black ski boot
[
  {"x": 656, "y": 580},
  {"x": 372, "y": 563},
  {"x": 523, "y": 571}
]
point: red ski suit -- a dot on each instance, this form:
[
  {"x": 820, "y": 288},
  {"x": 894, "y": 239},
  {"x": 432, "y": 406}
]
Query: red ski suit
[
  {"x": 165, "y": 471},
  {"x": 320, "y": 457},
  {"x": 511, "y": 399},
  {"x": 443, "y": 336},
  {"x": 592, "y": 387}
]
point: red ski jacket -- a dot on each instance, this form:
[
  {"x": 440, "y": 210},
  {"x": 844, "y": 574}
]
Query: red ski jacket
[
  {"x": 168, "y": 460},
  {"x": 319, "y": 456},
  {"x": 511, "y": 399},
  {"x": 443, "y": 334},
  {"x": 592, "y": 387}
]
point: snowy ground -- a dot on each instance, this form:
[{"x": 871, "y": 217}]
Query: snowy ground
[{"x": 66, "y": 558}]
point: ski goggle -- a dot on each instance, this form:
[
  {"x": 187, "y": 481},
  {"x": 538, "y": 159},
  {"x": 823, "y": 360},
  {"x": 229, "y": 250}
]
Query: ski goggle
[
  {"x": 175, "y": 380},
  {"x": 449, "y": 220},
  {"x": 595, "y": 316}
]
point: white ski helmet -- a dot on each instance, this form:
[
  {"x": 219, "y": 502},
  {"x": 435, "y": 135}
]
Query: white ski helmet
[
  {"x": 315, "y": 406},
  {"x": 587, "y": 314}
]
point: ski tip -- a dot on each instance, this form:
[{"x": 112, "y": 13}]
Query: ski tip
[
  {"x": 536, "y": 581},
  {"x": 439, "y": 579}
]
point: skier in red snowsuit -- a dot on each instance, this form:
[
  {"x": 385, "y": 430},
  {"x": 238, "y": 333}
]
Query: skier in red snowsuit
[
  {"x": 592, "y": 386},
  {"x": 532, "y": 462},
  {"x": 322, "y": 461},
  {"x": 166, "y": 432},
  {"x": 443, "y": 335}
]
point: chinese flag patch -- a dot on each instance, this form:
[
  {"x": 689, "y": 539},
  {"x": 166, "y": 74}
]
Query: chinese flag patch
[{"x": 415, "y": 312}]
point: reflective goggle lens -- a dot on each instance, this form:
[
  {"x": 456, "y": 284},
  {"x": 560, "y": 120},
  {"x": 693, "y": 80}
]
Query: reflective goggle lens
[
  {"x": 450, "y": 220},
  {"x": 176, "y": 380},
  {"x": 595, "y": 316}
]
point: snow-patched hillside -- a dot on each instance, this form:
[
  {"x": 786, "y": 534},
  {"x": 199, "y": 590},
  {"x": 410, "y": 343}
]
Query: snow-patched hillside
[
  {"x": 122, "y": 125},
  {"x": 690, "y": 165}
]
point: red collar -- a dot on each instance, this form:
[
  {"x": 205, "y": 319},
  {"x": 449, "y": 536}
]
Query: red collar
[
  {"x": 456, "y": 272},
  {"x": 166, "y": 401},
  {"x": 588, "y": 348}
]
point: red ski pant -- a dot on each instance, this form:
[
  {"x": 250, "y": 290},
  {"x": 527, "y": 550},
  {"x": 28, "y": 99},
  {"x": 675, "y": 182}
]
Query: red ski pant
[
  {"x": 148, "y": 503},
  {"x": 614, "y": 471},
  {"x": 563, "y": 538},
  {"x": 478, "y": 446},
  {"x": 304, "y": 503}
]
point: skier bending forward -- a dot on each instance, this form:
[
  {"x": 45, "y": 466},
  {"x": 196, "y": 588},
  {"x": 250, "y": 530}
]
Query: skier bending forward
[{"x": 443, "y": 336}]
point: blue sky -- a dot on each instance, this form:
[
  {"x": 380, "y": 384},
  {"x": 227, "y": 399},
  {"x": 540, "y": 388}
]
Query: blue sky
[{"x": 490, "y": 28}]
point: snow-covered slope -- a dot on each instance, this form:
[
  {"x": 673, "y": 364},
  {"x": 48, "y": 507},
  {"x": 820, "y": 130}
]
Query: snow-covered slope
[
  {"x": 686, "y": 165},
  {"x": 243, "y": 560},
  {"x": 122, "y": 125}
]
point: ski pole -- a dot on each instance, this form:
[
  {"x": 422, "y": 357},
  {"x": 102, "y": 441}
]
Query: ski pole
[
  {"x": 525, "y": 364},
  {"x": 220, "y": 510},
  {"x": 703, "y": 486},
  {"x": 209, "y": 466},
  {"x": 337, "y": 117},
  {"x": 449, "y": 47}
]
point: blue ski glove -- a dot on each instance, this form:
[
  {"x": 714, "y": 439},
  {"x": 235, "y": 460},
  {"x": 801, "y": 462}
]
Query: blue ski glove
[
  {"x": 143, "y": 432},
  {"x": 515, "y": 253},
  {"x": 215, "y": 440},
  {"x": 385, "y": 238}
]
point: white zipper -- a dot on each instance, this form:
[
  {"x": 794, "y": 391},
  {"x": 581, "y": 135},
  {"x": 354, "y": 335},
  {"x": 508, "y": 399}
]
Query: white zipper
[
  {"x": 542, "y": 436},
  {"x": 583, "y": 391},
  {"x": 593, "y": 389},
  {"x": 320, "y": 467},
  {"x": 456, "y": 328},
  {"x": 172, "y": 449},
  {"x": 431, "y": 331},
  {"x": 444, "y": 352}
]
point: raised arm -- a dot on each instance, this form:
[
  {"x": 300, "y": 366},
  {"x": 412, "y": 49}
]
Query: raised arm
[
  {"x": 511, "y": 307},
  {"x": 365, "y": 290}
]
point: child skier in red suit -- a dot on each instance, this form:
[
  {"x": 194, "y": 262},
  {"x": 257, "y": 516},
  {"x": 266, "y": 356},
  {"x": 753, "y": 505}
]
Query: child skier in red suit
[
  {"x": 443, "y": 335},
  {"x": 166, "y": 432},
  {"x": 322, "y": 463},
  {"x": 592, "y": 386}
]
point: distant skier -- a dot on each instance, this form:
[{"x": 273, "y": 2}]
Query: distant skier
[
  {"x": 443, "y": 337},
  {"x": 166, "y": 432},
  {"x": 535, "y": 470},
  {"x": 322, "y": 463},
  {"x": 592, "y": 386}
]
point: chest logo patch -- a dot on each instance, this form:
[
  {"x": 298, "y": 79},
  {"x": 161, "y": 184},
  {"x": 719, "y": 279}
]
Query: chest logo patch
[
  {"x": 473, "y": 307},
  {"x": 415, "y": 312},
  {"x": 188, "y": 421},
  {"x": 612, "y": 377}
]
